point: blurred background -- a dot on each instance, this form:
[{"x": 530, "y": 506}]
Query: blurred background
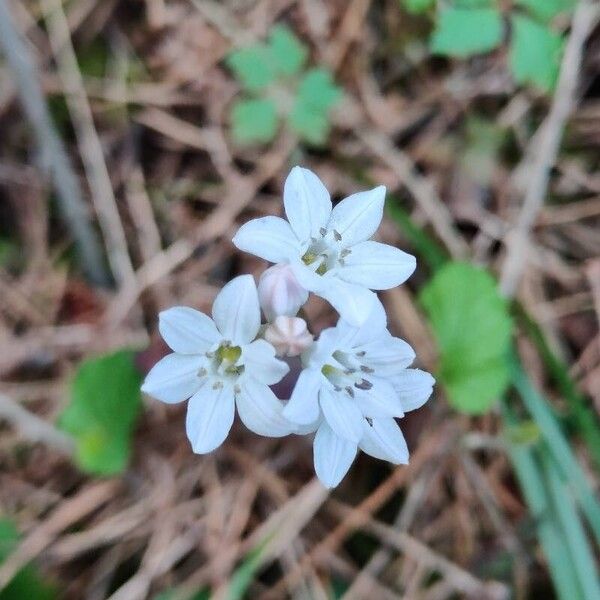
[{"x": 136, "y": 135}]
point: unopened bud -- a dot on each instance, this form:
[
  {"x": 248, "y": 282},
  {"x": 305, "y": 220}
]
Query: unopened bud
[
  {"x": 280, "y": 293},
  {"x": 289, "y": 336}
]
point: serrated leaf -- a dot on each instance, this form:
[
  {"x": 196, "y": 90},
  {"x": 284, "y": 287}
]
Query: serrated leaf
[
  {"x": 287, "y": 52},
  {"x": 252, "y": 67},
  {"x": 462, "y": 32},
  {"x": 472, "y": 326},
  {"x": 254, "y": 120},
  {"x": 27, "y": 583},
  {"x": 535, "y": 53},
  {"x": 105, "y": 402},
  {"x": 417, "y": 6},
  {"x": 546, "y": 10}
]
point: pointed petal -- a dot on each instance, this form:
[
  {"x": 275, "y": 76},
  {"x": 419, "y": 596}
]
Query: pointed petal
[
  {"x": 333, "y": 456},
  {"x": 342, "y": 414},
  {"x": 260, "y": 363},
  {"x": 270, "y": 238},
  {"x": 260, "y": 410},
  {"x": 209, "y": 417},
  {"x": 186, "y": 330},
  {"x": 357, "y": 217},
  {"x": 377, "y": 266},
  {"x": 354, "y": 303},
  {"x": 379, "y": 401},
  {"x": 303, "y": 407},
  {"x": 387, "y": 356},
  {"x": 384, "y": 440},
  {"x": 174, "y": 378},
  {"x": 236, "y": 311},
  {"x": 307, "y": 203},
  {"x": 371, "y": 330},
  {"x": 413, "y": 388}
]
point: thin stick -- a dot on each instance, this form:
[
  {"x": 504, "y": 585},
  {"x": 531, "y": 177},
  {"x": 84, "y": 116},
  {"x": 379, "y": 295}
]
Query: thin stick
[
  {"x": 544, "y": 150},
  {"x": 88, "y": 141},
  {"x": 54, "y": 159}
]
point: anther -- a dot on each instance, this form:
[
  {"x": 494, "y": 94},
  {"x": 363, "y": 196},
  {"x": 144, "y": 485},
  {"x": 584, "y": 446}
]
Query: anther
[
  {"x": 202, "y": 372},
  {"x": 366, "y": 369},
  {"x": 237, "y": 389},
  {"x": 363, "y": 384},
  {"x": 323, "y": 231},
  {"x": 345, "y": 252},
  {"x": 361, "y": 353},
  {"x": 350, "y": 391},
  {"x": 217, "y": 385},
  {"x": 337, "y": 236}
]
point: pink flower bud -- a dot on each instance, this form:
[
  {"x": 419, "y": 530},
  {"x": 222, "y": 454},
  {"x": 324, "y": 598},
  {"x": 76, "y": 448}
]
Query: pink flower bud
[
  {"x": 289, "y": 336},
  {"x": 280, "y": 293}
]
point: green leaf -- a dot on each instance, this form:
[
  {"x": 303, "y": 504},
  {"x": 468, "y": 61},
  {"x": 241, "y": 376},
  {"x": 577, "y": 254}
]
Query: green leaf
[
  {"x": 462, "y": 32},
  {"x": 252, "y": 66},
  {"x": 244, "y": 575},
  {"x": 105, "y": 403},
  {"x": 473, "y": 328},
  {"x": 546, "y": 10},
  {"x": 535, "y": 53},
  {"x": 287, "y": 52},
  {"x": 417, "y": 6},
  {"x": 317, "y": 94},
  {"x": 254, "y": 121},
  {"x": 27, "y": 583}
]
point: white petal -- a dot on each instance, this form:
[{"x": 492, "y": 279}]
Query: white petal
[
  {"x": 384, "y": 440},
  {"x": 371, "y": 330},
  {"x": 236, "y": 311},
  {"x": 209, "y": 417},
  {"x": 174, "y": 378},
  {"x": 379, "y": 401},
  {"x": 387, "y": 356},
  {"x": 260, "y": 363},
  {"x": 320, "y": 352},
  {"x": 354, "y": 303},
  {"x": 303, "y": 407},
  {"x": 260, "y": 410},
  {"x": 307, "y": 203},
  {"x": 357, "y": 217},
  {"x": 270, "y": 238},
  {"x": 186, "y": 330},
  {"x": 377, "y": 266},
  {"x": 342, "y": 413},
  {"x": 413, "y": 388},
  {"x": 333, "y": 456}
]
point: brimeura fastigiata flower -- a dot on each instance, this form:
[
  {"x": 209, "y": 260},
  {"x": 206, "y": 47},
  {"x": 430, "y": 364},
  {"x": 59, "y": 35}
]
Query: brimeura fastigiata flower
[{"x": 354, "y": 380}]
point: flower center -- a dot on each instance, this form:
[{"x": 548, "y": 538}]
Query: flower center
[
  {"x": 349, "y": 374},
  {"x": 325, "y": 253},
  {"x": 222, "y": 363}
]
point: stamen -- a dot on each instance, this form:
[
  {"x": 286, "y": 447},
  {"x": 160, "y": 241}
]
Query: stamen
[
  {"x": 363, "y": 384},
  {"x": 217, "y": 385},
  {"x": 202, "y": 372},
  {"x": 350, "y": 391},
  {"x": 369, "y": 421},
  {"x": 237, "y": 389},
  {"x": 345, "y": 252},
  {"x": 323, "y": 231},
  {"x": 361, "y": 353},
  {"x": 366, "y": 369},
  {"x": 337, "y": 236},
  {"x": 349, "y": 371}
]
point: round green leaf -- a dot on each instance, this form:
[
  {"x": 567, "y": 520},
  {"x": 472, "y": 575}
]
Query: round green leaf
[
  {"x": 287, "y": 52},
  {"x": 254, "y": 121}
]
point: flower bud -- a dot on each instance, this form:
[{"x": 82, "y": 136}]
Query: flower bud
[
  {"x": 280, "y": 293},
  {"x": 289, "y": 336}
]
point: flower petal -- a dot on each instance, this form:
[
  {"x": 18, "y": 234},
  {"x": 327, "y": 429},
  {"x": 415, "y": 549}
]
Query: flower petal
[
  {"x": 174, "y": 378},
  {"x": 303, "y": 407},
  {"x": 260, "y": 410},
  {"x": 377, "y": 266},
  {"x": 387, "y": 356},
  {"x": 357, "y": 217},
  {"x": 333, "y": 456},
  {"x": 270, "y": 238},
  {"x": 236, "y": 311},
  {"x": 379, "y": 401},
  {"x": 371, "y": 330},
  {"x": 186, "y": 330},
  {"x": 354, "y": 303},
  {"x": 209, "y": 417},
  {"x": 307, "y": 203},
  {"x": 413, "y": 388},
  {"x": 384, "y": 440},
  {"x": 260, "y": 363},
  {"x": 342, "y": 413}
]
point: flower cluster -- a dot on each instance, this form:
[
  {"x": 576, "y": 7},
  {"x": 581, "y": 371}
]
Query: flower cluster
[{"x": 355, "y": 378}]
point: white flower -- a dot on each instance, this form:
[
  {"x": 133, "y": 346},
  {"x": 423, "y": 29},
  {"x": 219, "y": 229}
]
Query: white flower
[
  {"x": 217, "y": 363},
  {"x": 354, "y": 383},
  {"x": 280, "y": 293},
  {"x": 289, "y": 336},
  {"x": 329, "y": 249}
]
